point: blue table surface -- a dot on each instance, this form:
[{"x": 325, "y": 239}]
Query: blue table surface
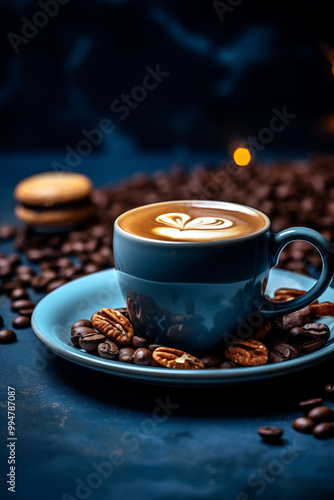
[{"x": 84, "y": 434}]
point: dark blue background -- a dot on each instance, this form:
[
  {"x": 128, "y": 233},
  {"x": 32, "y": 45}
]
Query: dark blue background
[
  {"x": 225, "y": 75},
  {"x": 225, "y": 78}
]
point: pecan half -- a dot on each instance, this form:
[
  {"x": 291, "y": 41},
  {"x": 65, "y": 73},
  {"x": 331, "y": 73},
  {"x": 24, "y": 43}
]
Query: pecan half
[
  {"x": 322, "y": 309},
  {"x": 113, "y": 325},
  {"x": 174, "y": 358},
  {"x": 248, "y": 352}
]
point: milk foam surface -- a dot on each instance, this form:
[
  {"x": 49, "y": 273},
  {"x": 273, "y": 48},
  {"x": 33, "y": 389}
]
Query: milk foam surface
[{"x": 191, "y": 221}]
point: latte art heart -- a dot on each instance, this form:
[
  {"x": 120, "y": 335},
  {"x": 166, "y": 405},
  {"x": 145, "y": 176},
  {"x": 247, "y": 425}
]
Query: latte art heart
[
  {"x": 191, "y": 221},
  {"x": 184, "y": 222}
]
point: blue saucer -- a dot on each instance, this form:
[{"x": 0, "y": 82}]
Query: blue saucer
[{"x": 55, "y": 314}]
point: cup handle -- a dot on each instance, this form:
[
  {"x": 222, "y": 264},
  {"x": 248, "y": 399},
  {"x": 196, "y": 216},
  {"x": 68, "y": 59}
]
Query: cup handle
[{"x": 278, "y": 242}]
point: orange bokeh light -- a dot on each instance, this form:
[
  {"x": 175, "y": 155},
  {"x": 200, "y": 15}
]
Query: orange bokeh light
[{"x": 242, "y": 156}]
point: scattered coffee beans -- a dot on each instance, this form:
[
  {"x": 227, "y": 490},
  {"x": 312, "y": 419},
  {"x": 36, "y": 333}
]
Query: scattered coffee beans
[
  {"x": 126, "y": 355},
  {"x": 270, "y": 434},
  {"x": 304, "y": 424},
  {"x": 283, "y": 352},
  {"x": 318, "y": 417},
  {"x": 321, "y": 414},
  {"x": 308, "y": 404},
  {"x": 108, "y": 349},
  {"x": 142, "y": 357},
  {"x": 21, "y": 322},
  {"x": 324, "y": 430},
  {"x": 7, "y": 336},
  {"x": 18, "y": 294}
]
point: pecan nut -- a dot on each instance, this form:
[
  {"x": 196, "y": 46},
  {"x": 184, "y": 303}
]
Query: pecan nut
[
  {"x": 174, "y": 358},
  {"x": 113, "y": 325},
  {"x": 322, "y": 309},
  {"x": 248, "y": 352}
]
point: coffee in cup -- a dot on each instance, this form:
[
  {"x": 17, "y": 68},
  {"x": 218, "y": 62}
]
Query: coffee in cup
[
  {"x": 193, "y": 271},
  {"x": 191, "y": 221}
]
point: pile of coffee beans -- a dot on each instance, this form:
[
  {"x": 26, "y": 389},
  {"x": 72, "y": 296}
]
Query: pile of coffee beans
[
  {"x": 111, "y": 334},
  {"x": 290, "y": 193},
  {"x": 317, "y": 419}
]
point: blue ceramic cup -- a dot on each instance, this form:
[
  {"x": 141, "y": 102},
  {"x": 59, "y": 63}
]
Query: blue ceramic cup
[{"x": 193, "y": 294}]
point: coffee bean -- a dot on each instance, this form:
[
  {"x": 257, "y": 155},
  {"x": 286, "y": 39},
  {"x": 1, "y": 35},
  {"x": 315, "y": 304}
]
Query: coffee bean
[
  {"x": 311, "y": 346},
  {"x": 91, "y": 267},
  {"x": 283, "y": 352},
  {"x": 82, "y": 322},
  {"x": 99, "y": 259},
  {"x": 308, "y": 404},
  {"x": 79, "y": 332},
  {"x": 321, "y": 414},
  {"x": 270, "y": 434},
  {"x": 35, "y": 254},
  {"x": 329, "y": 391},
  {"x": 26, "y": 312},
  {"x": 297, "y": 318},
  {"x": 108, "y": 349},
  {"x": 210, "y": 360},
  {"x": 303, "y": 424},
  {"x": 43, "y": 279},
  {"x": 19, "y": 293},
  {"x": 142, "y": 356},
  {"x": 7, "y": 232},
  {"x": 25, "y": 270},
  {"x": 153, "y": 347},
  {"x": 90, "y": 341},
  {"x": 64, "y": 262},
  {"x": 7, "y": 286},
  {"x": 139, "y": 342},
  {"x": 6, "y": 270},
  {"x": 21, "y": 322},
  {"x": 55, "y": 284},
  {"x": 226, "y": 365},
  {"x": 126, "y": 355},
  {"x": 324, "y": 430},
  {"x": 309, "y": 332},
  {"x": 98, "y": 231},
  {"x": 17, "y": 305},
  {"x": 7, "y": 336}
]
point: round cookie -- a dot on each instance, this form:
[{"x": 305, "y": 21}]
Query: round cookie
[{"x": 54, "y": 199}]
